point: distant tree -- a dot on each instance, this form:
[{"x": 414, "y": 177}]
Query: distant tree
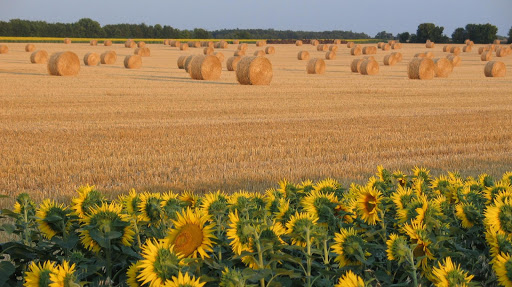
[
  {"x": 413, "y": 39},
  {"x": 243, "y": 35},
  {"x": 200, "y": 33},
  {"x": 87, "y": 28},
  {"x": 384, "y": 35},
  {"x": 481, "y": 33},
  {"x": 510, "y": 36},
  {"x": 429, "y": 31},
  {"x": 403, "y": 37},
  {"x": 459, "y": 35}
]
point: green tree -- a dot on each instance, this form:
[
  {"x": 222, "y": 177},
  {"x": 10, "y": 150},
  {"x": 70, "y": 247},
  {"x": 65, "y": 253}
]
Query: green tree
[
  {"x": 384, "y": 35},
  {"x": 482, "y": 33},
  {"x": 403, "y": 37},
  {"x": 510, "y": 36},
  {"x": 88, "y": 28},
  {"x": 200, "y": 33},
  {"x": 459, "y": 35},
  {"x": 429, "y": 31}
]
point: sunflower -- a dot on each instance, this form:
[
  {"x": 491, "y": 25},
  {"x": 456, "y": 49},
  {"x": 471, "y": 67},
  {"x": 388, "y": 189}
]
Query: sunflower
[
  {"x": 240, "y": 200},
  {"x": 170, "y": 204},
  {"x": 88, "y": 197},
  {"x": 498, "y": 243},
  {"x": 492, "y": 191},
  {"x": 215, "y": 204},
  {"x": 349, "y": 247},
  {"x": 419, "y": 186},
  {"x": 327, "y": 185},
  {"x": 150, "y": 208},
  {"x": 240, "y": 240},
  {"x": 485, "y": 180},
  {"x": 503, "y": 269},
  {"x": 402, "y": 197},
  {"x": 64, "y": 276},
  {"x": 284, "y": 212},
  {"x": 321, "y": 204},
  {"x": 130, "y": 202},
  {"x": 468, "y": 214},
  {"x": 232, "y": 278},
  {"x": 106, "y": 219},
  {"x": 440, "y": 185},
  {"x": 306, "y": 186},
  {"x": 400, "y": 177},
  {"x": 367, "y": 205},
  {"x": 273, "y": 198},
  {"x": 190, "y": 199},
  {"x": 184, "y": 281},
  {"x": 350, "y": 280},
  {"x": 52, "y": 218},
  {"x": 159, "y": 264},
  {"x": 190, "y": 235},
  {"x": 132, "y": 273},
  {"x": 507, "y": 177},
  {"x": 376, "y": 183},
  {"x": 498, "y": 217},
  {"x": 414, "y": 211},
  {"x": 421, "y": 172},
  {"x": 397, "y": 247},
  {"x": 298, "y": 225},
  {"x": 287, "y": 189},
  {"x": 383, "y": 174},
  {"x": 39, "y": 275},
  {"x": 24, "y": 204},
  {"x": 418, "y": 235},
  {"x": 450, "y": 274}
]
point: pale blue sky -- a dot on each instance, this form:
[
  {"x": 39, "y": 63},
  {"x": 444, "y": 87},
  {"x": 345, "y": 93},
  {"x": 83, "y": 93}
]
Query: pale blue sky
[{"x": 368, "y": 16}]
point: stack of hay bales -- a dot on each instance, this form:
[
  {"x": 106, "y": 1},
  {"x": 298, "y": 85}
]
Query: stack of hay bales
[
  {"x": 68, "y": 41},
  {"x": 430, "y": 44},
  {"x": 270, "y": 50},
  {"x": 330, "y": 55},
  {"x": 356, "y": 50},
  {"x": 92, "y": 59},
  {"x": 315, "y": 42},
  {"x": 93, "y": 42},
  {"x": 421, "y": 69},
  {"x": 232, "y": 62},
  {"x": 4, "y": 49},
  {"x": 370, "y": 50},
  {"x": 39, "y": 57},
  {"x": 369, "y": 67},
  {"x": 143, "y": 52},
  {"x": 108, "y": 57},
  {"x": 443, "y": 67},
  {"x": 495, "y": 69},
  {"x": 129, "y": 44},
  {"x": 205, "y": 68},
  {"x": 254, "y": 71},
  {"x": 30, "y": 48},
  {"x": 298, "y": 43},
  {"x": 64, "y": 64},
  {"x": 322, "y": 48},
  {"x": 316, "y": 66},
  {"x": 303, "y": 55},
  {"x": 107, "y": 43}
]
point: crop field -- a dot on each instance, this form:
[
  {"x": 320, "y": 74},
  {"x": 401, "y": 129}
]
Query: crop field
[{"x": 157, "y": 129}]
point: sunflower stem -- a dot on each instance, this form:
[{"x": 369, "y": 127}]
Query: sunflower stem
[
  {"x": 136, "y": 229},
  {"x": 260, "y": 255},
  {"x": 25, "y": 229},
  {"x": 219, "y": 226},
  {"x": 326, "y": 255},
  {"x": 308, "y": 259},
  {"x": 109, "y": 262},
  {"x": 413, "y": 266}
]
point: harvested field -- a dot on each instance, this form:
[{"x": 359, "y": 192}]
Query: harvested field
[{"x": 155, "y": 128}]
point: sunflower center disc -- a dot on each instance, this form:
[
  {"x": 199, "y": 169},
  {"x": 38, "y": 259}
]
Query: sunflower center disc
[{"x": 189, "y": 239}]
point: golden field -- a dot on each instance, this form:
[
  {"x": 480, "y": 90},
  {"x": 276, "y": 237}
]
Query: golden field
[{"x": 157, "y": 129}]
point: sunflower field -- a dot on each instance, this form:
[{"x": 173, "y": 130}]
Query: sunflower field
[{"x": 397, "y": 230}]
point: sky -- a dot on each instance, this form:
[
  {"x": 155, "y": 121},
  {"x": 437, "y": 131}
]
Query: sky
[{"x": 368, "y": 16}]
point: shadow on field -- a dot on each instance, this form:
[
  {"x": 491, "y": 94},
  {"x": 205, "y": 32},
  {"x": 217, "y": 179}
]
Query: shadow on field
[
  {"x": 21, "y": 73},
  {"x": 181, "y": 80}
]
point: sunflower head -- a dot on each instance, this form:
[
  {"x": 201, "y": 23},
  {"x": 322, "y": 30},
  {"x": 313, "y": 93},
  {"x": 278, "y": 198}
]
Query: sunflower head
[
  {"x": 215, "y": 204},
  {"x": 159, "y": 264},
  {"x": 39, "y": 275},
  {"x": 377, "y": 184},
  {"x": 468, "y": 214},
  {"x": 368, "y": 205},
  {"x": 232, "y": 278},
  {"x": 414, "y": 211},
  {"x": 492, "y": 191},
  {"x": 350, "y": 280},
  {"x": 450, "y": 274},
  {"x": 384, "y": 174},
  {"x": 400, "y": 178},
  {"x": 131, "y": 203},
  {"x": 301, "y": 224},
  {"x": 418, "y": 235},
  {"x": 24, "y": 204},
  {"x": 64, "y": 276},
  {"x": 397, "y": 248},
  {"x": 485, "y": 180},
  {"x": 190, "y": 235},
  {"x": 52, "y": 218},
  {"x": 305, "y": 186},
  {"x": 507, "y": 177},
  {"x": 327, "y": 185},
  {"x": 287, "y": 189},
  {"x": 498, "y": 243},
  {"x": 190, "y": 199},
  {"x": 503, "y": 269},
  {"x": 88, "y": 197},
  {"x": 132, "y": 273},
  {"x": 498, "y": 216},
  {"x": 101, "y": 222},
  {"x": 421, "y": 172},
  {"x": 440, "y": 185},
  {"x": 349, "y": 247},
  {"x": 150, "y": 208},
  {"x": 184, "y": 280},
  {"x": 171, "y": 205},
  {"x": 321, "y": 205}
]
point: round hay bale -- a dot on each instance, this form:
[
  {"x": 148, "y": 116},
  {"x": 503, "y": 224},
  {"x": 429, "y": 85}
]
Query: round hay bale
[
  {"x": 166, "y": 42},
  {"x": 429, "y": 55},
  {"x": 455, "y": 51},
  {"x": 315, "y": 42},
  {"x": 482, "y": 49},
  {"x": 194, "y": 44},
  {"x": 356, "y": 51},
  {"x": 4, "y": 49},
  {"x": 254, "y": 71},
  {"x": 471, "y": 43},
  {"x": 260, "y": 43},
  {"x": 386, "y": 47},
  {"x": 107, "y": 43},
  {"x": 501, "y": 52},
  {"x": 467, "y": 41},
  {"x": 322, "y": 48},
  {"x": 398, "y": 56},
  {"x": 174, "y": 43},
  {"x": 181, "y": 62},
  {"x": 369, "y": 67},
  {"x": 355, "y": 67},
  {"x": 129, "y": 44},
  {"x": 30, "y": 48},
  {"x": 235, "y": 42},
  {"x": 224, "y": 45},
  {"x": 239, "y": 53},
  {"x": 337, "y": 42},
  {"x": 270, "y": 50},
  {"x": 396, "y": 46},
  {"x": 232, "y": 62},
  {"x": 92, "y": 59},
  {"x": 430, "y": 45},
  {"x": 187, "y": 62},
  {"x": 298, "y": 43},
  {"x": 443, "y": 67},
  {"x": 370, "y": 50},
  {"x": 67, "y": 41},
  {"x": 350, "y": 45},
  {"x": 303, "y": 55},
  {"x": 454, "y": 59},
  {"x": 486, "y": 56},
  {"x": 93, "y": 42},
  {"x": 333, "y": 48},
  {"x": 183, "y": 47},
  {"x": 141, "y": 44},
  {"x": 447, "y": 48},
  {"x": 316, "y": 66},
  {"x": 467, "y": 49},
  {"x": 133, "y": 62},
  {"x": 380, "y": 44},
  {"x": 143, "y": 52},
  {"x": 39, "y": 57},
  {"x": 64, "y": 64},
  {"x": 391, "y": 42},
  {"x": 330, "y": 55},
  {"x": 243, "y": 46},
  {"x": 421, "y": 69},
  {"x": 390, "y": 60},
  {"x": 495, "y": 69},
  {"x": 208, "y": 51},
  {"x": 497, "y": 42},
  {"x": 219, "y": 56},
  {"x": 205, "y": 68},
  {"x": 108, "y": 58},
  {"x": 259, "y": 53}
]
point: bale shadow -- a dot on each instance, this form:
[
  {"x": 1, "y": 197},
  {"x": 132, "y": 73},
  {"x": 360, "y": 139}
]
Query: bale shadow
[
  {"x": 181, "y": 80},
  {"x": 21, "y": 73}
]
